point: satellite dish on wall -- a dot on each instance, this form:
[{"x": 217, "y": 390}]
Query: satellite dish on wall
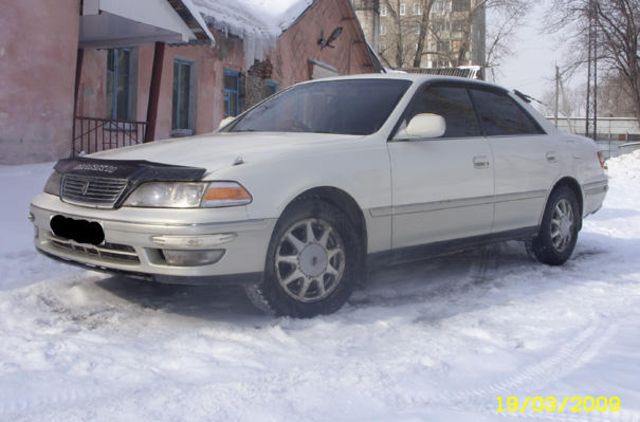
[{"x": 327, "y": 42}]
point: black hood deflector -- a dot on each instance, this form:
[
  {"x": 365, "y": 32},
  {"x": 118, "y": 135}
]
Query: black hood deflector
[
  {"x": 138, "y": 171},
  {"x": 135, "y": 172}
]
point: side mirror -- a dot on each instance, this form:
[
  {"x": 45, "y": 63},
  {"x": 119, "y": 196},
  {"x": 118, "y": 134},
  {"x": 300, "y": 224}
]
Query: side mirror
[
  {"x": 226, "y": 121},
  {"x": 425, "y": 125}
]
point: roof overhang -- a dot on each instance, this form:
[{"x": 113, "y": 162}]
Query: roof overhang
[{"x": 113, "y": 23}]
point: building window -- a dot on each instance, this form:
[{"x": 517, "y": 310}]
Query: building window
[
  {"x": 120, "y": 83},
  {"x": 383, "y": 10},
  {"x": 444, "y": 46},
  {"x": 183, "y": 115},
  {"x": 461, "y": 5},
  {"x": 270, "y": 87},
  {"x": 383, "y": 29},
  {"x": 442, "y": 6},
  {"x": 403, "y": 9},
  {"x": 417, "y": 9},
  {"x": 231, "y": 93},
  {"x": 458, "y": 26}
]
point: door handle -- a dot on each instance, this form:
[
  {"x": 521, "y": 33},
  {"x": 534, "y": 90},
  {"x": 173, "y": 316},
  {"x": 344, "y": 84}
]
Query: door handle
[
  {"x": 551, "y": 157},
  {"x": 481, "y": 162}
]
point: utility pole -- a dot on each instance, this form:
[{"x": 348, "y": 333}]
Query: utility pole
[
  {"x": 556, "y": 110},
  {"x": 595, "y": 70},
  {"x": 592, "y": 72},
  {"x": 589, "y": 50}
]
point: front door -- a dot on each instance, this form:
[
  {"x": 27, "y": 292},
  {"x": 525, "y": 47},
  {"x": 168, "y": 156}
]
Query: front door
[{"x": 442, "y": 187}]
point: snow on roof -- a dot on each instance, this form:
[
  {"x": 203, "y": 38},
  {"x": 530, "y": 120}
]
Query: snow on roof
[
  {"x": 257, "y": 22},
  {"x": 195, "y": 13},
  {"x": 267, "y": 18}
]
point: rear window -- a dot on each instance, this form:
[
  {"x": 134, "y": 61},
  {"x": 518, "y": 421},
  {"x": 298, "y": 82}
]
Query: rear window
[{"x": 501, "y": 115}]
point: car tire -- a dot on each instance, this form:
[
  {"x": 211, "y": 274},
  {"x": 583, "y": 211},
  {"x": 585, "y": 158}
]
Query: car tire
[
  {"x": 558, "y": 233},
  {"x": 313, "y": 263}
]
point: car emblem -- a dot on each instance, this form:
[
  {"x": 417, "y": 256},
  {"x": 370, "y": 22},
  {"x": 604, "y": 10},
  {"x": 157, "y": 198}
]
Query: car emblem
[{"x": 85, "y": 188}]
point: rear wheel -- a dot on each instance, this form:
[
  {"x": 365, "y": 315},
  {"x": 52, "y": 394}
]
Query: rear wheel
[
  {"x": 312, "y": 262},
  {"x": 559, "y": 230}
]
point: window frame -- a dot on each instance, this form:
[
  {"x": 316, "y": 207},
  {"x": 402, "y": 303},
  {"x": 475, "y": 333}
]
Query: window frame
[
  {"x": 191, "y": 101},
  {"x": 467, "y": 6},
  {"x": 383, "y": 10},
  {"x": 505, "y": 93},
  {"x": 272, "y": 85},
  {"x": 231, "y": 126},
  {"x": 112, "y": 100},
  {"x": 228, "y": 91},
  {"x": 403, "y": 9},
  {"x": 423, "y": 87}
]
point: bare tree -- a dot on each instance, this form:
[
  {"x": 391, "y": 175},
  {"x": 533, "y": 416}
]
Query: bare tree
[
  {"x": 614, "y": 99},
  {"x": 618, "y": 23},
  {"x": 500, "y": 37},
  {"x": 450, "y": 29},
  {"x": 424, "y": 26},
  {"x": 407, "y": 44},
  {"x": 615, "y": 28},
  {"x": 571, "y": 102}
]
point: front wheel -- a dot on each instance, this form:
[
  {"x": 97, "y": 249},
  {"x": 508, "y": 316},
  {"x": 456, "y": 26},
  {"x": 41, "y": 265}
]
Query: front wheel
[
  {"x": 558, "y": 233},
  {"x": 312, "y": 262}
]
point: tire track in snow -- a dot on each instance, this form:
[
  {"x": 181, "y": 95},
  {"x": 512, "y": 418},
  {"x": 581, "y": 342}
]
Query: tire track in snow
[
  {"x": 569, "y": 357},
  {"x": 21, "y": 404}
]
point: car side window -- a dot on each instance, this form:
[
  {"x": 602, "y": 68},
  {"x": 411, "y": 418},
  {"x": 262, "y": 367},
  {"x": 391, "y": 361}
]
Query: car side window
[
  {"x": 501, "y": 115},
  {"x": 453, "y": 104}
]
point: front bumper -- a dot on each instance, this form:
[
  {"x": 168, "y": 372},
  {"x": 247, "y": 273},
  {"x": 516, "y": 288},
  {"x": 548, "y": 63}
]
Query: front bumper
[{"x": 135, "y": 239}]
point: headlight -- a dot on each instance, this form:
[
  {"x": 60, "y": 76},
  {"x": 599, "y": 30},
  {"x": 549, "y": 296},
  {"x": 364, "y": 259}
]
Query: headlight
[
  {"x": 52, "y": 186},
  {"x": 188, "y": 195}
]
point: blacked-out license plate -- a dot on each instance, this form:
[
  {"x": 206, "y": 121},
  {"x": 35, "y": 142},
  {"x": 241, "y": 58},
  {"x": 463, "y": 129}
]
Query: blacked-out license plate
[{"x": 80, "y": 231}]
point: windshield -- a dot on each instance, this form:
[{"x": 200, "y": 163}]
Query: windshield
[{"x": 352, "y": 107}]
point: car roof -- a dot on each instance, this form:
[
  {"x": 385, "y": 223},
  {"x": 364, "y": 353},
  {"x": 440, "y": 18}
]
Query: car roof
[{"x": 412, "y": 77}]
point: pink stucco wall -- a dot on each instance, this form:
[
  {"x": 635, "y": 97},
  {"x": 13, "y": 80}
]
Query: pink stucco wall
[
  {"x": 210, "y": 63},
  {"x": 299, "y": 43},
  {"x": 38, "y": 47}
]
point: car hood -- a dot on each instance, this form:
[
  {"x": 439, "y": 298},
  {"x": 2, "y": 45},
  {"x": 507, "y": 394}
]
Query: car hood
[{"x": 218, "y": 151}]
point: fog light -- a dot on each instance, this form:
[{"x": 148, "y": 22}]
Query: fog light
[{"x": 183, "y": 258}]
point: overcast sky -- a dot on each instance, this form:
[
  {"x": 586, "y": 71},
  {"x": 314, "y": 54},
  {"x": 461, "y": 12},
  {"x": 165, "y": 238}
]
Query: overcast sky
[{"x": 531, "y": 68}]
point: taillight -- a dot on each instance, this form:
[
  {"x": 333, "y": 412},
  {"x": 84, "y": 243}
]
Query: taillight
[{"x": 603, "y": 163}]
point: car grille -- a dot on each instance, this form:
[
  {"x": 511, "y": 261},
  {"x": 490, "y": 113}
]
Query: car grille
[
  {"x": 94, "y": 191},
  {"x": 107, "y": 251}
]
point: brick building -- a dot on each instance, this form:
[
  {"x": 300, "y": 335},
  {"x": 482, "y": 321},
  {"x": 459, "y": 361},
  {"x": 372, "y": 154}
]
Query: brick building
[{"x": 96, "y": 74}]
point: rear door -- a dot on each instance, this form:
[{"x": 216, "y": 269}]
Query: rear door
[
  {"x": 526, "y": 159},
  {"x": 442, "y": 187}
]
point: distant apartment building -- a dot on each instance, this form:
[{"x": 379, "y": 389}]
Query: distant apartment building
[
  {"x": 410, "y": 34},
  {"x": 368, "y": 12}
]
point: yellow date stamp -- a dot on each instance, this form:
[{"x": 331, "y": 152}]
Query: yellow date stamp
[{"x": 553, "y": 404}]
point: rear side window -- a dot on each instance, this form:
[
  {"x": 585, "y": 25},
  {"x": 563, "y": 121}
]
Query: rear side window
[
  {"x": 501, "y": 115},
  {"x": 452, "y": 103}
]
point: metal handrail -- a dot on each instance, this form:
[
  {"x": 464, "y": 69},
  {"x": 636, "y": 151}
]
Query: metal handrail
[{"x": 93, "y": 134}]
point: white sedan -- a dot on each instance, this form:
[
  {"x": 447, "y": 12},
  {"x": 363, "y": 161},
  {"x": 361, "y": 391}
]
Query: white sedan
[{"x": 296, "y": 198}]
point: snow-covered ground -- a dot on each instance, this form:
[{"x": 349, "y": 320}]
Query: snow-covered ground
[{"x": 438, "y": 340}]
